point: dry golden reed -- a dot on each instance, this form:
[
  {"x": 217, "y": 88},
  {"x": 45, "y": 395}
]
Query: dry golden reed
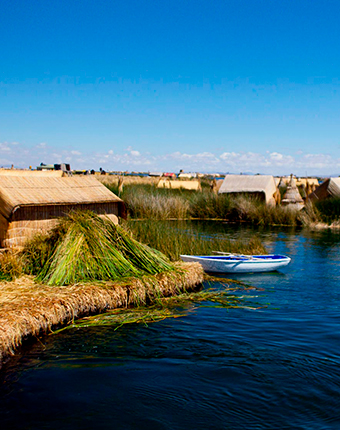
[{"x": 28, "y": 308}]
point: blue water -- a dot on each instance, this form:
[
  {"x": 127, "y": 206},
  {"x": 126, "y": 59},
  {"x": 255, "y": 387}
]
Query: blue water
[{"x": 276, "y": 367}]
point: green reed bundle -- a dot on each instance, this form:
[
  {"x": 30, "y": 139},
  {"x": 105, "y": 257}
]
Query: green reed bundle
[
  {"x": 176, "y": 306},
  {"x": 142, "y": 256},
  {"x": 89, "y": 248}
]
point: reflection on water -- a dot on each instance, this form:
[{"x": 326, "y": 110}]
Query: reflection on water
[{"x": 277, "y": 367}]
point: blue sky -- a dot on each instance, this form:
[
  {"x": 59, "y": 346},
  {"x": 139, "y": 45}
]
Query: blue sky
[{"x": 228, "y": 86}]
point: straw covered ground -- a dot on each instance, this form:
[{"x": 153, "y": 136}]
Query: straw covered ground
[
  {"x": 84, "y": 265},
  {"x": 28, "y": 308}
]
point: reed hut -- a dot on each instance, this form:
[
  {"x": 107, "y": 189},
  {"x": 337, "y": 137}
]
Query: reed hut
[
  {"x": 193, "y": 184},
  {"x": 292, "y": 197},
  {"x": 261, "y": 186},
  {"x": 36, "y": 173},
  {"x": 312, "y": 183},
  {"x": 328, "y": 189},
  {"x": 187, "y": 175},
  {"x": 30, "y": 204},
  {"x": 282, "y": 183}
]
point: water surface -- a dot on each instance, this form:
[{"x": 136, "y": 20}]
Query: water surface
[{"x": 276, "y": 367}]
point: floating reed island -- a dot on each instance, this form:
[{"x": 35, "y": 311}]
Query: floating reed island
[{"x": 85, "y": 265}]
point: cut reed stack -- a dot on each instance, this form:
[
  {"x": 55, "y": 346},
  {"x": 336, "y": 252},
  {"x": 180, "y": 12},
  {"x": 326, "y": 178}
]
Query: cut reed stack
[
  {"x": 29, "y": 309},
  {"x": 85, "y": 265},
  {"x": 86, "y": 248}
]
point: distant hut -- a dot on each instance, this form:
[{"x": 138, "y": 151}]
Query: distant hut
[
  {"x": 29, "y": 205},
  {"x": 183, "y": 175},
  {"x": 176, "y": 184},
  {"x": 311, "y": 182},
  {"x": 262, "y": 186},
  {"x": 328, "y": 189},
  {"x": 314, "y": 183},
  {"x": 155, "y": 174},
  {"x": 30, "y": 173},
  {"x": 282, "y": 183},
  {"x": 292, "y": 197}
]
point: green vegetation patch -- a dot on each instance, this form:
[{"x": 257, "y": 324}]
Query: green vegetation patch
[
  {"x": 173, "y": 238},
  {"x": 177, "y": 306},
  {"x": 146, "y": 201},
  {"x": 329, "y": 209},
  {"x": 85, "y": 247}
]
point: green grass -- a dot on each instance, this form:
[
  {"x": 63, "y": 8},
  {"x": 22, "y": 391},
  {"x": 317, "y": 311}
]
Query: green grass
[
  {"x": 148, "y": 202},
  {"x": 85, "y": 247},
  {"x": 173, "y": 239},
  {"x": 329, "y": 209}
]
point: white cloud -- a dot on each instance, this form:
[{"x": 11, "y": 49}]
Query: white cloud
[
  {"x": 269, "y": 162},
  {"x": 276, "y": 156},
  {"x": 4, "y": 147},
  {"x": 319, "y": 161},
  {"x": 56, "y": 155},
  {"x": 280, "y": 159},
  {"x": 243, "y": 160},
  {"x": 196, "y": 161},
  {"x": 135, "y": 153}
]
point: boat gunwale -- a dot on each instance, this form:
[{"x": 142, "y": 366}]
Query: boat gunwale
[{"x": 241, "y": 258}]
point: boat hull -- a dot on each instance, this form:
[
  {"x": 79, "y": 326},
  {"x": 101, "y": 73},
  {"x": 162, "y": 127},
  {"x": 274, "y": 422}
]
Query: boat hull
[{"x": 258, "y": 263}]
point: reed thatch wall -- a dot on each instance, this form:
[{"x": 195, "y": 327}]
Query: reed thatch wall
[
  {"x": 16, "y": 233},
  {"x": 128, "y": 180},
  {"x": 29, "y": 309},
  {"x": 177, "y": 184},
  {"x": 328, "y": 189},
  {"x": 34, "y": 173},
  {"x": 292, "y": 197},
  {"x": 29, "y": 205},
  {"x": 262, "y": 186}
]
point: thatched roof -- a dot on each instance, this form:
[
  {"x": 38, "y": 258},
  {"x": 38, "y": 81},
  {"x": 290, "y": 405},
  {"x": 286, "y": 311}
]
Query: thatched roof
[
  {"x": 305, "y": 181},
  {"x": 16, "y": 191},
  {"x": 329, "y": 188},
  {"x": 36, "y": 173},
  {"x": 250, "y": 184},
  {"x": 193, "y": 184},
  {"x": 292, "y": 195},
  {"x": 282, "y": 183}
]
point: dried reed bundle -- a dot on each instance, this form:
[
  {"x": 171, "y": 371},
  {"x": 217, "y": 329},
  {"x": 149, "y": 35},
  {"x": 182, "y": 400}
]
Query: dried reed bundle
[
  {"x": 174, "y": 306},
  {"x": 27, "y": 308}
]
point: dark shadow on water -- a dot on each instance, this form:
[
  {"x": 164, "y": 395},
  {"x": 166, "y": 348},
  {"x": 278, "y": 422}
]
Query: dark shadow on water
[{"x": 275, "y": 367}]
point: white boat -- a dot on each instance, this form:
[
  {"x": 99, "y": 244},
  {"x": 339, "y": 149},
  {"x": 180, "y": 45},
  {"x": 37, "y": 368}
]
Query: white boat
[{"x": 237, "y": 263}]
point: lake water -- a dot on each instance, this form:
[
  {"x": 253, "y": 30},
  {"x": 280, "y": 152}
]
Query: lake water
[{"x": 276, "y": 367}]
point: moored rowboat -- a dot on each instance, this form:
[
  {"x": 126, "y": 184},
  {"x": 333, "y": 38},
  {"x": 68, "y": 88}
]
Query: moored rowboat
[{"x": 231, "y": 263}]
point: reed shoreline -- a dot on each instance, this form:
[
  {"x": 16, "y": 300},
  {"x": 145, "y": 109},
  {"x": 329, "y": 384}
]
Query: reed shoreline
[
  {"x": 29, "y": 309},
  {"x": 145, "y": 201}
]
